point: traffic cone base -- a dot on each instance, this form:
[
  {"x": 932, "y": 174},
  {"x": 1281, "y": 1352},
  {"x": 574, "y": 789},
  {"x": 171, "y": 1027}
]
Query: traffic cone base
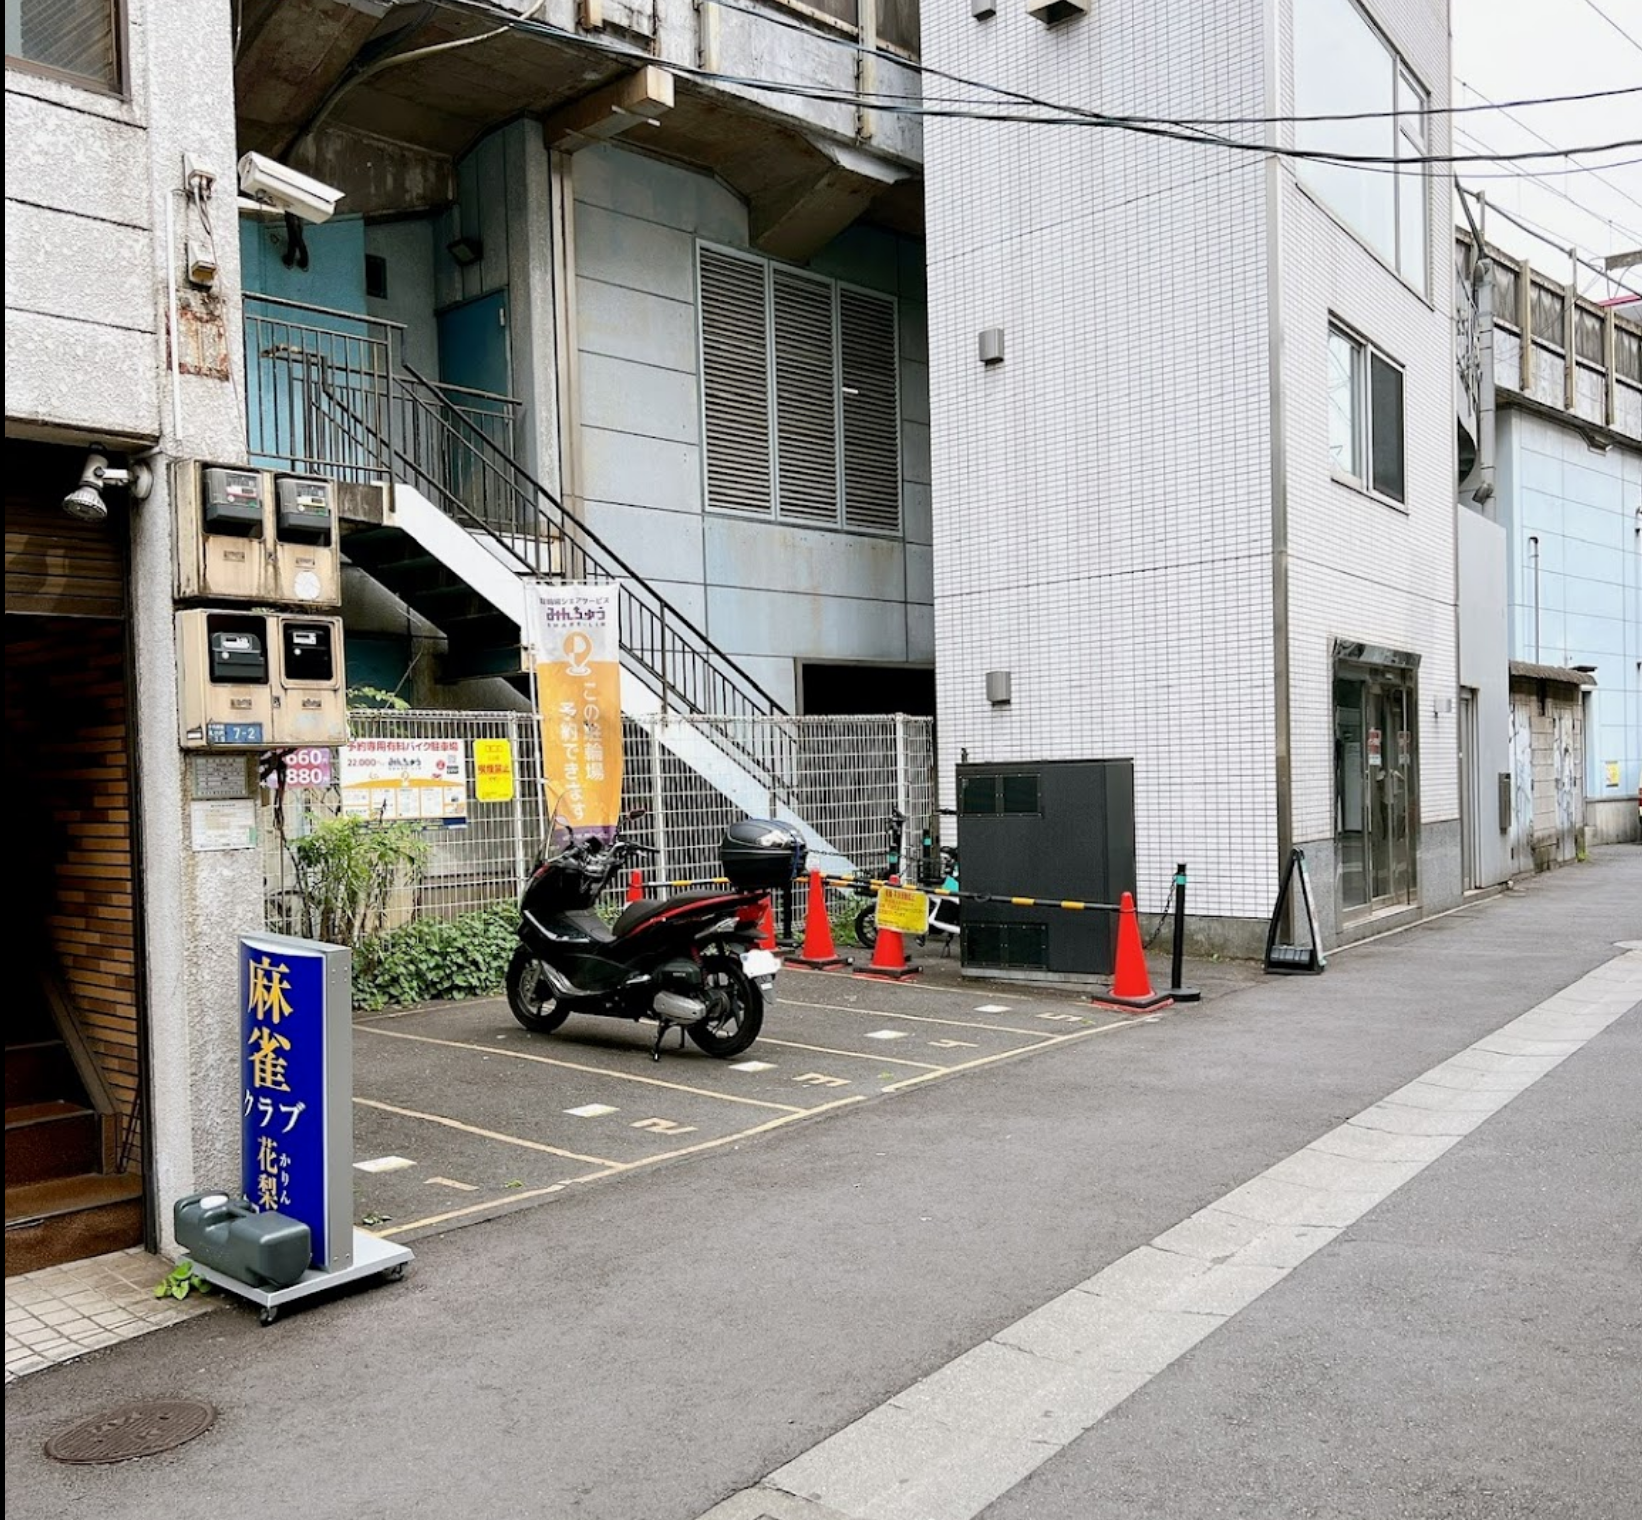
[
  {"x": 1131, "y": 990},
  {"x": 818, "y": 952},
  {"x": 889, "y": 960}
]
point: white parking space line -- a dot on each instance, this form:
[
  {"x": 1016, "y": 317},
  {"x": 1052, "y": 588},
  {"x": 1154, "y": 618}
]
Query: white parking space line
[
  {"x": 596, "y": 1071},
  {"x": 483, "y": 1134},
  {"x": 383, "y": 1164},
  {"x": 955, "y": 1441},
  {"x": 853, "y": 1055},
  {"x": 916, "y": 1018}
]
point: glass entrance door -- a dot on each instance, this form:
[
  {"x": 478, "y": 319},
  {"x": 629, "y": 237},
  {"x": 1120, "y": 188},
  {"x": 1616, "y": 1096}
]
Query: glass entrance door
[{"x": 1374, "y": 776}]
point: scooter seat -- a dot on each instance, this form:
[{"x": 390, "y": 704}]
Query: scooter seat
[{"x": 642, "y": 912}]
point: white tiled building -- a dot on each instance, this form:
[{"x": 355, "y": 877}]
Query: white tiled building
[{"x": 1203, "y": 509}]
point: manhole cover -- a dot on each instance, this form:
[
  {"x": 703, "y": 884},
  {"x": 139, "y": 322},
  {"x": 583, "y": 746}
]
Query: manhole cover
[{"x": 132, "y": 1430}]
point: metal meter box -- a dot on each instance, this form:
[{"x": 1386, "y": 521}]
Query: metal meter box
[
  {"x": 1058, "y": 830},
  {"x": 224, "y": 694},
  {"x": 302, "y": 510},
  {"x": 238, "y": 656},
  {"x": 248, "y": 536},
  {"x": 310, "y": 701},
  {"x": 259, "y": 681},
  {"x": 231, "y": 502}
]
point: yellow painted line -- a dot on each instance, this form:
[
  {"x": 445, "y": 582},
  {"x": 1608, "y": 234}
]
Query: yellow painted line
[
  {"x": 627, "y": 1166},
  {"x": 854, "y": 1055},
  {"x": 484, "y": 1134},
  {"x": 1010, "y": 1055},
  {"x": 597, "y": 1071}
]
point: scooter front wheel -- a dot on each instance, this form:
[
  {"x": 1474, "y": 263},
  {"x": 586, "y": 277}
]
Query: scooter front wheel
[
  {"x": 737, "y": 1014},
  {"x": 528, "y": 996}
]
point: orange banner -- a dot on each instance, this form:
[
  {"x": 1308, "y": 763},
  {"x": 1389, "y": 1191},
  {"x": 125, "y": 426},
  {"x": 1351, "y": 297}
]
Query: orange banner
[{"x": 578, "y": 701}]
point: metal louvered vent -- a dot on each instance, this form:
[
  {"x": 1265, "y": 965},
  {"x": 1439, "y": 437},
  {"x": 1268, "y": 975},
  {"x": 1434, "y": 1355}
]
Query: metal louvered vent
[
  {"x": 801, "y": 393},
  {"x": 872, "y": 435},
  {"x": 735, "y": 356},
  {"x": 806, "y": 399}
]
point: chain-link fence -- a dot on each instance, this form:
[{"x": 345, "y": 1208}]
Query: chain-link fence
[
  {"x": 479, "y": 851},
  {"x": 845, "y": 778}
]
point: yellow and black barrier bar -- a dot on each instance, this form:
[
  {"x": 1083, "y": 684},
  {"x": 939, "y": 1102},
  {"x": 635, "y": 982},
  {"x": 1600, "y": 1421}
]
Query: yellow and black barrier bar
[{"x": 873, "y": 884}]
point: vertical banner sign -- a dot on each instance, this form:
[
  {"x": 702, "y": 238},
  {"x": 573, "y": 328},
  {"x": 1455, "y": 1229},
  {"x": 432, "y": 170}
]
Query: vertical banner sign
[
  {"x": 578, "y": 699},
  {"x": 296, "y": 1109}
]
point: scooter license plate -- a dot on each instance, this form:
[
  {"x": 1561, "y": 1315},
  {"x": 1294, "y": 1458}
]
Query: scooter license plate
[{"x": 761, "y": 966}]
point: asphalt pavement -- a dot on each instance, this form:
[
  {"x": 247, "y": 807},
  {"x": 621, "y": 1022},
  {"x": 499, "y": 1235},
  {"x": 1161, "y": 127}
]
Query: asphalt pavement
[{"x": 654, "y": 1344}]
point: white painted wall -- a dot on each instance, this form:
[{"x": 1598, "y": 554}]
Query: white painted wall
[
  {"x": 1102, "y": 499},
  {"x": 1361, "y": 569},
  {"x": 767, "y": 593}
]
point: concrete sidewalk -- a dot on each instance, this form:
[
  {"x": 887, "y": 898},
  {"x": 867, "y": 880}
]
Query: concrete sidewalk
[{"x": 649, "y": 1347}]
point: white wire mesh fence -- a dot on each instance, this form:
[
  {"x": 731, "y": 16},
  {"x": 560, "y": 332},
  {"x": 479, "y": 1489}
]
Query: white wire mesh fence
[{"x": 843, "y": 776}]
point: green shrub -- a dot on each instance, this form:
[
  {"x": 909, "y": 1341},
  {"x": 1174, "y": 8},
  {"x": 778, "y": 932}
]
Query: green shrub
[
  {"x": 347, "y": 869},
  {"x": 434, "y": 958}
]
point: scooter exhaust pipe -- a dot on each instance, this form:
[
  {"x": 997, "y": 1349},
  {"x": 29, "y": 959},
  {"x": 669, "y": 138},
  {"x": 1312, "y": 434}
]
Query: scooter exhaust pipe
[{"x": 674, "y": 1008}]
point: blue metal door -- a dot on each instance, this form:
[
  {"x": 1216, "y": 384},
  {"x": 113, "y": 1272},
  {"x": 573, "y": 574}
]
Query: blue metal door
[{"x": 475, "y": 375}]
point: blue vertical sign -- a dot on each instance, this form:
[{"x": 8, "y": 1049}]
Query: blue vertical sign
[{"x": 297, "y": 1087}]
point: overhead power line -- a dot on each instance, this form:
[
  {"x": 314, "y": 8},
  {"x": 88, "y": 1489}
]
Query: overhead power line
[
  {"x": 1067, "y": 115},
  {"x": 1628, "y": 36},
  {"x": 1618, "y": 190}
]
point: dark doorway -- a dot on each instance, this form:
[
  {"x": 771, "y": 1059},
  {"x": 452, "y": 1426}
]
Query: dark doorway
[{"x": 835, "y": 690}]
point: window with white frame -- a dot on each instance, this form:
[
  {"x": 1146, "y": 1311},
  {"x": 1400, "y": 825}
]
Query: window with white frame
[
  {"x": 1344, "y": 67},
  {"x": 800, "y": 396},
  {"x": 1365, "y": 416}
]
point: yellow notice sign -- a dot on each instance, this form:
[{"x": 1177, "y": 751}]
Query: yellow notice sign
[
  {"x": 493, "y": 770},
  {"x": 903, "y": 910}
]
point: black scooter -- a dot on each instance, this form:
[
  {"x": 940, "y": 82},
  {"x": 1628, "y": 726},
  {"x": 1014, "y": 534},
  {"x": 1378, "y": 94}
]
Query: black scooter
[{"x": 689, "y": 962}]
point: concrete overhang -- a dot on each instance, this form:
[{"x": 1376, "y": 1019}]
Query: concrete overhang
[{"x": 318, "y": 85}]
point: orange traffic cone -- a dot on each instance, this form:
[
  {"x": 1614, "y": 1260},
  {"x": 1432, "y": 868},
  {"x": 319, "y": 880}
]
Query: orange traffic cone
[
  {"x": 1131, "y": 982},
  {"x": 766, "y": 926},
  {"x": 889, "y": 957},
  {"x": 818, "y": 951},
  {"x": 635, "y": 887}
]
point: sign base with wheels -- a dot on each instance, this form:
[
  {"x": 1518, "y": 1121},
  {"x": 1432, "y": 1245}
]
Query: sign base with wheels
[{"x": 372, "y": 1257}]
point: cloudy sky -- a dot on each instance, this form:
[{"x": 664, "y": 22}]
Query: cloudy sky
[{"x": 1524, "y": 49}]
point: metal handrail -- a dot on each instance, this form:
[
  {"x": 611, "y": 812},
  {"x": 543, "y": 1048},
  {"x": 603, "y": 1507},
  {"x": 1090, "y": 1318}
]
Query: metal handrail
[
  {"x": 445, "y": 448},
  {"x": 613, "y": 567}
]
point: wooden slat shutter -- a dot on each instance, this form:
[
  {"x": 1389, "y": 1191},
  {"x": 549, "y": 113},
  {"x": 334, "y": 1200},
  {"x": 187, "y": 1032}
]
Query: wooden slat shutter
[
  {"x": 806, "y": 399},
  {"x": 55, "y": 564},
  {"x": 735, "y": 361},
  {"x": 872, "y": 433}
]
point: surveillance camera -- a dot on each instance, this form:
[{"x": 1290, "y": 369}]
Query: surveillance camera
[
  {"x": 284, "y": 189},
  {"x": 86, "y": 502}
]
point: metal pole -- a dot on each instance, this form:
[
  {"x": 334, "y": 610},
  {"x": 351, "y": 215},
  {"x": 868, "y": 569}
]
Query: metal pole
[
  {"x": 1180, "y": 993},
  {"x": 657, "y": 815},
  {"x": 521, "y": 862}
]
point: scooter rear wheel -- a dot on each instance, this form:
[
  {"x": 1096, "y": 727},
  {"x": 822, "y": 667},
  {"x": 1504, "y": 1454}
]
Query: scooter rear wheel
[
  {"x": 527, "y": 995},
  {"x": 866, "y": 927},
  {"x": 735, "y": 1024}
]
